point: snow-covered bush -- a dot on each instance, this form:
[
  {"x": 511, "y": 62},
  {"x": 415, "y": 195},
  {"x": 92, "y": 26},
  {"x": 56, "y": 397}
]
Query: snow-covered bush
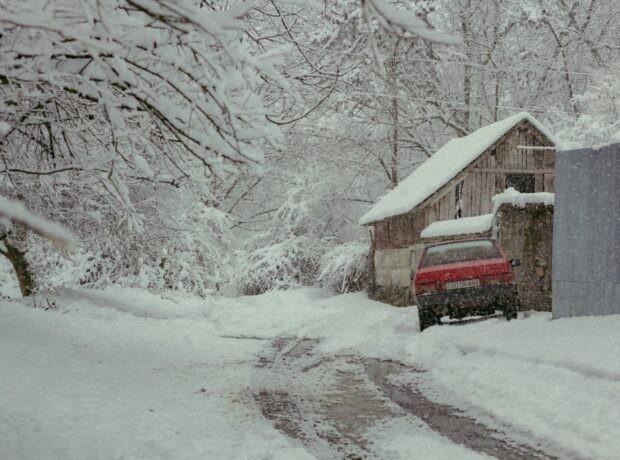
[
  {"x": 288, "y": 264},
  {"x": 180, "y": 244},
  {"x": 286, "y": 255},
  {"x": 344, "y": 268}
]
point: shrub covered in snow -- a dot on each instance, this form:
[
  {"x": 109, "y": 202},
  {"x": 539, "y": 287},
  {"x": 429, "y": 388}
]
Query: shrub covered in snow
[
  {"x": 344, "y": 268},
  {"x": 291, "y": 263},
  {"x": 287, "y": 254},
  {"x": 179, "y": 244}
]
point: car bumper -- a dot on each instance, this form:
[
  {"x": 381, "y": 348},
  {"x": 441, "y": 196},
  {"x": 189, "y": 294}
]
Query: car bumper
[{"x": 468, "y": 299}]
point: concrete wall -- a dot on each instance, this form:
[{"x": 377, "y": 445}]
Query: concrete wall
[
  {"x": 586, "y": 236},
  {"x": 393, "y": 267}
]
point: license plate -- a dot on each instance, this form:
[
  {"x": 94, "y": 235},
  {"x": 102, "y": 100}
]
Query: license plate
[{"x": 463, "y": 284}]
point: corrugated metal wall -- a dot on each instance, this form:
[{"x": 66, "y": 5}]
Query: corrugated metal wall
[{"x": 586, "y": 275}]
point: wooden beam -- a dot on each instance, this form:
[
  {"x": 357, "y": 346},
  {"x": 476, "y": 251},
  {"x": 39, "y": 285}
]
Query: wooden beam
[
  {"x": 534, "y": 147},
  {"x": 516, "y": 171}
]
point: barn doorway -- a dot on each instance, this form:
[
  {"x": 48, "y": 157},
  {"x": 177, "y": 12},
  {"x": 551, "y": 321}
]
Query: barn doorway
[{"x": 523, "y": 183}]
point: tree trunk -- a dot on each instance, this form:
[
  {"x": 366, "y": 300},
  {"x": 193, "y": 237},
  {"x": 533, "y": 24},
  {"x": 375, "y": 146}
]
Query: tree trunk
[
  {"x": 392, "y": 77},
  {"x": 497, "y": 95},
  {"x": 20, "y": 265},
  {"x": 394, "y": 165},
  {"x": 467, "y": 75}
]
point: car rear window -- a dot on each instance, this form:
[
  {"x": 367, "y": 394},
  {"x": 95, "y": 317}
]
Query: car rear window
[{"x": 461, "y": 251}]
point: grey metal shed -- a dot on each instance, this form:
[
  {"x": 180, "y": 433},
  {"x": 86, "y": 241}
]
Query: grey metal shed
[{"x": 586, "y": 277}]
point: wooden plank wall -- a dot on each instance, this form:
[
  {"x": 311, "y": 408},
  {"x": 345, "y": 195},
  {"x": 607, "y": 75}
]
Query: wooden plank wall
[
  {"x": 399, "y": 231},
  {"x": 487, "y": 175},
  {"x": 484, "y": 178}
]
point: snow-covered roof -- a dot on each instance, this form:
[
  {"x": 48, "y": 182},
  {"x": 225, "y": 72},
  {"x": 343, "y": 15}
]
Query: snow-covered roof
[
  {"x": 515, "y": 198},
  {"x": 463, "y": 226},
  {"x": 442, "y": 167}
]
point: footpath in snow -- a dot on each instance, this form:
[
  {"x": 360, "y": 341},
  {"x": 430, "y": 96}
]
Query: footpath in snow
[{"x": 123, "y": 373}]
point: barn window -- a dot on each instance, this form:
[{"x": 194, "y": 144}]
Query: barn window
[
  {"x": 523, "y": 183},
  {"x": 458, "y": 200}
]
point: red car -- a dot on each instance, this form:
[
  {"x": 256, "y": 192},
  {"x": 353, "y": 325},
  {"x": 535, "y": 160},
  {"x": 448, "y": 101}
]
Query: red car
[{"x": 461, "y": 278}]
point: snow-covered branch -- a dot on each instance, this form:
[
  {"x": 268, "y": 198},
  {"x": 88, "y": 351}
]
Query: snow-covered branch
[
  {"x": 398, "y": 21},
  {"x": 14, "y": 212}
]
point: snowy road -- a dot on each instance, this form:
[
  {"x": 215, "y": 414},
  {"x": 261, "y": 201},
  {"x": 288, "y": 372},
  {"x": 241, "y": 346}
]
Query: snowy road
[
  {"x": 121, "y": 373},
  {"x": 333, "y": 417}
]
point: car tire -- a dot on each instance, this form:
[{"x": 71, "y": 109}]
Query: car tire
[
  {"x": 511, "y": 309},
  {"x": 427, "y": 318}
]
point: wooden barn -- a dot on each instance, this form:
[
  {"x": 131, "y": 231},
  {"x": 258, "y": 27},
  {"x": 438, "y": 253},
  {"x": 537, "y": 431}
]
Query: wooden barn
[{"x": 459, "y": 180}]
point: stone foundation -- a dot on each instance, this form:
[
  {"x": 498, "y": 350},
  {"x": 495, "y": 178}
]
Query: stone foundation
[{"x": 526, "y": 233}]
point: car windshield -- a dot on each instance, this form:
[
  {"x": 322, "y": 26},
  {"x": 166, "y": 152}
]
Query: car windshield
[{"x": 462, "y": 251}]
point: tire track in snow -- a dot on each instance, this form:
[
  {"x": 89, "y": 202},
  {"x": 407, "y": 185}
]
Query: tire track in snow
[
  {"x": 327, "y": 403},
  {"x": 448, "y": 420}
]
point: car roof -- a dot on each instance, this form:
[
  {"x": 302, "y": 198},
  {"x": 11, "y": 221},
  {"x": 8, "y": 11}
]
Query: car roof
[{"x": 463, "y": 240}]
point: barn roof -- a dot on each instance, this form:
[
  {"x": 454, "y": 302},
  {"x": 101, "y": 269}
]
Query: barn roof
[{"x": 442, "y": 167}]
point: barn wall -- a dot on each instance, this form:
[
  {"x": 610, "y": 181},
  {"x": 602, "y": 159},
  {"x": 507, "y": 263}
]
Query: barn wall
[
  {"x": 486, "y": 176},
  {"x": 397, "y": 239},
  {"x": 399, "y": 231},
  {"x": 396, "y": 252}
]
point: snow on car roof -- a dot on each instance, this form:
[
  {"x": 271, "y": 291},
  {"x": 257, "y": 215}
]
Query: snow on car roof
[
  {"x": 463, "y": 226},
  {"x": 443, "y": 166}
]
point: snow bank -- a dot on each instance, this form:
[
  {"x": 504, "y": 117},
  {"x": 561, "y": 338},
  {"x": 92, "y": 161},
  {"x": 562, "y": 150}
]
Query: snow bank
[
  {"x": 123, "y": 373},
  {"x": 88, "y": 381},
  {"x": 463, "y": 226},
  {"x": 400, "y": 438},
  {"x": 515, "y": 198},
  {"x": 443, "y": 166},
  {"x": 345, "y": 323},
  {"x": 558, "y": 380}
]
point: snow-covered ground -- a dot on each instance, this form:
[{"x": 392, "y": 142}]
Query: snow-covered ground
[
  {"x": 121, "y": 373},
  {"x": 553, "y": 380}
]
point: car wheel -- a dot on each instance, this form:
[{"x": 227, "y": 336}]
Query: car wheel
[
  {"x": 511, "y": 309},
  {"x": 427, "y": 318}
]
